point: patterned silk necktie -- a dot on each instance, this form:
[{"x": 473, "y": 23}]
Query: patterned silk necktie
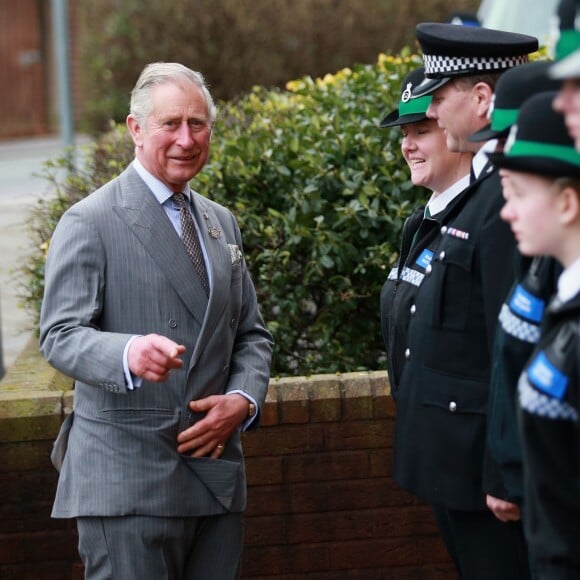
[{"x": 190, "y": 239}]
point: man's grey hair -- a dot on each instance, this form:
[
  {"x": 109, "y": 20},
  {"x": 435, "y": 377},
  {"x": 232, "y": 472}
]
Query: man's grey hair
[{"x": 158, "y": 73}]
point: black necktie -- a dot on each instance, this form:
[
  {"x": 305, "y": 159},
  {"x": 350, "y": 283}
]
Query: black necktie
[{"x": 190, "y": 239}]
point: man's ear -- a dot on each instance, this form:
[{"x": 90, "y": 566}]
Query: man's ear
[
  {"x": 569, "y": 205},
  {"x": 483, "y": 94},
  {"x": 135, "y": 130}
]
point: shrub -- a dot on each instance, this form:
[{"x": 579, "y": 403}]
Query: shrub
[
  {"x": 320, "y": 193},
  {"x": 236, "y": 43}
]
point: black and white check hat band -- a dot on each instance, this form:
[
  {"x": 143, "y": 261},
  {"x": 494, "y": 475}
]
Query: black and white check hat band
[{"x": 455, "y": 65}]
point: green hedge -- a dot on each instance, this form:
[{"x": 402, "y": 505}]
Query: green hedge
[
  {"x": 320, "y": 193},
  {"x": 236, "y": 43}
]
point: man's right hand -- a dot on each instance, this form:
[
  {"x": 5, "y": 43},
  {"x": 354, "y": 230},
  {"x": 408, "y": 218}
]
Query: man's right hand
[{"x": 152, "y": 357}]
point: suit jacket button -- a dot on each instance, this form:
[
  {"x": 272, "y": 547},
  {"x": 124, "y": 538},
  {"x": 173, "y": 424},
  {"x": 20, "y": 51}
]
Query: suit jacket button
[
  {"x": 453, "y": 406},
  {"x": 408, "y": 353},
  {"x": 442, "y": 255},
  {"x": 172, "y": 323},
  {"x": 428, "y": 270},
  {"x": 413, "y": 309},
  {"x": 443, "y": 230},
  {"x": 233, "y": 322}
]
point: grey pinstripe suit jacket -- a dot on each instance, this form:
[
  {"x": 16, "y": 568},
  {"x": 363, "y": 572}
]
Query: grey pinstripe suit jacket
[{"x": 116, "y": 268}]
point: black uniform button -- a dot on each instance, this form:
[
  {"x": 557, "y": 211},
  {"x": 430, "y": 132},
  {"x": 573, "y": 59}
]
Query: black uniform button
[
  {"x": 453, "y": 406},
  {"x": 413, "y": 309},
  {"x": 172, "y": 323},
  {"x": 407, "y": 354},
  {"x": 233, "y": 322},
  {"x": 442, "y": 255}
]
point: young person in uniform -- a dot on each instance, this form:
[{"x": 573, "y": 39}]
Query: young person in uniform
[
  {"x": 543, "y": 209},
  {"x": 519, "y": 320},
  {"x": 440, "y": 427},
  {"x": 446, "y": 174},
  {"x": 567, "y": 69}
]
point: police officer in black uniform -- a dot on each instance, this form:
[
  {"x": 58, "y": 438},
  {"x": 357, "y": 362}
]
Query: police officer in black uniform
[
  {"x": 543, "y": 168},
  {"x": 446, "y": 174},
  {"x": 441, "y": 403}
]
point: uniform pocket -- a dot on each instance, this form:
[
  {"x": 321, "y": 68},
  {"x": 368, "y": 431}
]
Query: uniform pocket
[{"x": 453, "y": 268}]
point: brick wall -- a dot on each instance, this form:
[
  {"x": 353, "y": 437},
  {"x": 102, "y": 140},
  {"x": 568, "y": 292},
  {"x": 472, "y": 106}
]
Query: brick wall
[{"x": 321, "y": 501}]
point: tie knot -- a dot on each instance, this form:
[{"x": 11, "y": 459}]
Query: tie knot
[{"x": 179, "y": 200}]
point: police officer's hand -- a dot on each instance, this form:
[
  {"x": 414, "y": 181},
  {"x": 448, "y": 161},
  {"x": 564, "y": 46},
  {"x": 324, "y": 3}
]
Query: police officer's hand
[{"x": 504, "y": 511}]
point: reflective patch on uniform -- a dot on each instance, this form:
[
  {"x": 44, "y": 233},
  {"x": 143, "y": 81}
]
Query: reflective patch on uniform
[
  {"x": 536, "y": 403},
  {"x": 393, "y": 274},
  {"x": 412, "y": 276},
  {"x": 547, "y": 377},
  {"x": 425, "y": 258},
  {"x": 518, "y": 328},
  {"x": 527, "y": 305}
]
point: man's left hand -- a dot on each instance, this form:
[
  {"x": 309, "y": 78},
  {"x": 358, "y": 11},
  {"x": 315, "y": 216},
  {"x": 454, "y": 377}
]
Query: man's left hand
[{"x": 223, "y": 415}]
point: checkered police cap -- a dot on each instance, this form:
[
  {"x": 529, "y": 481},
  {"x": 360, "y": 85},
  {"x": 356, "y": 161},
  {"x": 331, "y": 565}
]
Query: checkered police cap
[
  {"x": 444, "y": 66},
  {"x": 450, "y": 50}
]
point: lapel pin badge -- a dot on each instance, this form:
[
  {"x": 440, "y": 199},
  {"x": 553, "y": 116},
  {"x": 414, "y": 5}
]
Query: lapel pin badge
[{"x": 214, "y": 232}]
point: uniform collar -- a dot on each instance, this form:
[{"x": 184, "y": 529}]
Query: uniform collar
[
  {"x": 480, "y": 159},
  {"x": 439, "y": 202},
  {"x": 569, "y": 282}
]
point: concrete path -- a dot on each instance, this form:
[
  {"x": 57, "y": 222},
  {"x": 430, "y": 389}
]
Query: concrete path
[{"x": 20, "y": 187}]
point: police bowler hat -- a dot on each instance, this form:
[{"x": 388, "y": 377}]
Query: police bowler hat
[
  {"x": 410, "y": 110},
  {"x": 539, "y": 142},
  {"x": 567, "y": 64},
  {"x": 568, "y": 37},
  {"x": 514, "y": 87}
]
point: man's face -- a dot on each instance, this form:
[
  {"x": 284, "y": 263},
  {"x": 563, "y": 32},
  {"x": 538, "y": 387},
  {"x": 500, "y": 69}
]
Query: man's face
[
  {"x": 454, "y": 107},
  {"x": 173, "y": 142},
  {"x": 567, "y": 102}
]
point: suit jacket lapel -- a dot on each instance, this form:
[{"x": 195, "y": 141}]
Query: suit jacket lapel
[
  {"x": 143, "y": 215},
  {"x": 219, "y": 257}
]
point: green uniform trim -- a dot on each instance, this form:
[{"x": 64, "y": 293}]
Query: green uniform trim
[
  {"x": 568, "y": 42},
  {"x": 412, "y": 106},
  {"x": 534, "y": 149},
  {"x": 503, "y": 118}
]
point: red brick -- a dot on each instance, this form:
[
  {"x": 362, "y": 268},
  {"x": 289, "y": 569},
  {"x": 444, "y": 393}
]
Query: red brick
[
  {"x": 266, "y": 530},
  {"x": 277, "y": 560},
  {"x": 379, "y": 553},
  {"x": 270, "y": 413},
  {"x": 370, "y": 434},
  {"x": 267, "y": 500},
  {"x": 294, "y": 403},
  {"x": 327, "y": 466},
  {"x": 325, "y": 398},
  {"x": 285, "y": 440},
  {"x": 264, "y": 470}
]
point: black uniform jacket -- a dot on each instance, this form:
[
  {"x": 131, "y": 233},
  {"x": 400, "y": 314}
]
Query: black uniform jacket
[
  {"x": 517, "y": 334},
  {"x": 549, "y": 395},
  {"x": 466, "y": 255}
]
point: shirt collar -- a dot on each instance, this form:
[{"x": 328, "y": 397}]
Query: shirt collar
[
  {"x": 161, "y": 192},
  {"x": 439, "y": 202},
  {"x": 480, "y": 159},
  {"x": 569, "y": 282}
]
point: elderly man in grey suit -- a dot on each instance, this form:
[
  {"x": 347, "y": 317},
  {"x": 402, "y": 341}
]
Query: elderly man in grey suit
[{"x": 168, "y": 350}]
